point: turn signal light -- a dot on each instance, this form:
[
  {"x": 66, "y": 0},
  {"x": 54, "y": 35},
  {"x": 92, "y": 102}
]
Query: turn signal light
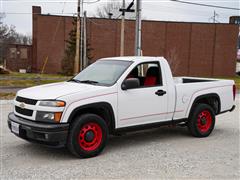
[{"x": 57, "y": 116}]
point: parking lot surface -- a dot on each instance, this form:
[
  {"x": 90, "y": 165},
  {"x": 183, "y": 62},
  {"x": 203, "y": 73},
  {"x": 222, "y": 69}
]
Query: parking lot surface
[{"x": 165, "y": 152}]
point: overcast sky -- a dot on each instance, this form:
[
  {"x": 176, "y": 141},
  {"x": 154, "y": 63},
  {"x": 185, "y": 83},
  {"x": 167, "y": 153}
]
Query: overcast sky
[{"x": 18, "y": 12}]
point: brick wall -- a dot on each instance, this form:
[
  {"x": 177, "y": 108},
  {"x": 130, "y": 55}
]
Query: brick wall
[{"x": 196, "y": 49}]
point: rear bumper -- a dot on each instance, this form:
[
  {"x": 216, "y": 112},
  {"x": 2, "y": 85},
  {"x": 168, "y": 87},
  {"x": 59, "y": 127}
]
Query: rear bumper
[
  {"x": 230, "y": 110},
  {"x": 48, "y": 134}
]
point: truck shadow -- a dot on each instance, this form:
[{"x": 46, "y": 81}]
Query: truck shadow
[
  {"x": 37, "y": 151},
  {"x": 163, "y": 135},
  {"x": 138, "y": 138}
]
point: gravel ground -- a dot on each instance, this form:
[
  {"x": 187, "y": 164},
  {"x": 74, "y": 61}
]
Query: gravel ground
[{"x": 159, "y": 153}]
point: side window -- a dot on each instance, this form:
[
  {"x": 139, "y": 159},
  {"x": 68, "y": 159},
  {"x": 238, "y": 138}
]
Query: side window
[
  {"x": 23, "y": 53},
  {"x": 13, "y": 53},
  {"x": 149, "y": 74}
]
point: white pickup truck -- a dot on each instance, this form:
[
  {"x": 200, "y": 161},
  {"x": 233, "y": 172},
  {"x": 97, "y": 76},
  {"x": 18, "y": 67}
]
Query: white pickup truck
[{"x": 116, "y": 95}]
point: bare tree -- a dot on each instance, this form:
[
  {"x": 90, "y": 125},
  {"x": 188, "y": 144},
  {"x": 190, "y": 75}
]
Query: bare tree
[
  {"x": 173, "y": 61},
  {"x": 9, "y": 35},
  {"x": 24, "y": 39},
  {"x": 111, "y": 9}
]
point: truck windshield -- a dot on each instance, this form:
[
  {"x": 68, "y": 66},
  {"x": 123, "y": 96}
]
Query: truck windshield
[{"x": 103, "y": 72}]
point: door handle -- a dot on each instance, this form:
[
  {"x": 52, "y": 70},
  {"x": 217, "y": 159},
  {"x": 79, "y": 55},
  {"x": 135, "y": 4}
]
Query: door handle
[{"x": 160, "y": 92}]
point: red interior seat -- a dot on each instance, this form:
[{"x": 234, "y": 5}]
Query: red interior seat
[{"x": 151, "y": 77}]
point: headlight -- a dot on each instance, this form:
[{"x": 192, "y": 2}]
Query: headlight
[
  {"x": 52, "y": 117},
  {"x": 52, "y": 103}
]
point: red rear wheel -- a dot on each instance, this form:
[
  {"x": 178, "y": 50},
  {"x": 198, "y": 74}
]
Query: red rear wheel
[
  {"x": 201, "y": 121},
  {"x": 204, "y": 121},
  {"x": 90, "y": 136}
]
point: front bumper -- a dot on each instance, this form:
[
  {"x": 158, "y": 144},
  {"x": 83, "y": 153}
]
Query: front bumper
[{"x": 43, "y": 133}]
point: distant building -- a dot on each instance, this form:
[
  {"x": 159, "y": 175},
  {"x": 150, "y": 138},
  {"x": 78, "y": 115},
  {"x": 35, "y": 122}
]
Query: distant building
[
  {"x": 234, "y": 20},
  {"x": 19, "y": 57}
]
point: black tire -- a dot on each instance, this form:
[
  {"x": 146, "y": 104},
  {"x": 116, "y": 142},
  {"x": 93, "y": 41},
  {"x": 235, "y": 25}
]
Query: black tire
[
  {"x": 87, "y": 129},
  {"x": 201, "y": 121}
]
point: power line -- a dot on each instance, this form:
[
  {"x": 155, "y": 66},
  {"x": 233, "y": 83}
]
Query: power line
[
  {"x": 164, "y": 9},
  {"x": 60, "y": 13},
  {"x": 71, "y": 13},
  {"x": 29, "y": 13},
  {"x": 92, "y": 2},
  {"x": 206, "y": 5},
  {"x": 175, "y": 9},
  {"x": 52, "y": 1}
]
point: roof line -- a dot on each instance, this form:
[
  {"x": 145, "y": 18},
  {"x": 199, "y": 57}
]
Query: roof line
[{"x": 97, "y": 18}]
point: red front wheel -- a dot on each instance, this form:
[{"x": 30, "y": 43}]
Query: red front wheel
[
  {"x": 88, "y": 136},
  {"x": 201, "y": 121}
]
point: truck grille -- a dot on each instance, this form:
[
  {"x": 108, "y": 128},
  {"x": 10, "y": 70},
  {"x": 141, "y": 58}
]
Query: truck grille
[
  {"x": 26, "y": 100},
  {"x": 25, "y": 112}
]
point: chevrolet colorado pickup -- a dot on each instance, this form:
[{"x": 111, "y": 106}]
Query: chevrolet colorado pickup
[{"x": 115, "y": 95}]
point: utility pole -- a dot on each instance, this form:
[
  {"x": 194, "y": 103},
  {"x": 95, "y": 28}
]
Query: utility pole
[
  {"x": 77, "y": 62},
  {"x": 85, "y": 63},
  {"x": 81, "y": 39},
  {"x": 122, "y": 29},
  {"x": 214, "y": 17},
  {"x": 124, "y": 10},
  {"x": 138, "y": 33}
]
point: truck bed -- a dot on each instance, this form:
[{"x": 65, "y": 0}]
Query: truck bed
[
  {"x": 184, "y": 80},
  {"x": 189, "y": 88}
]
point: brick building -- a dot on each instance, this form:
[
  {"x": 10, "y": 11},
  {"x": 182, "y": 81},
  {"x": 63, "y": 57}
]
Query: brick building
[{"x": 196, "y": 49}]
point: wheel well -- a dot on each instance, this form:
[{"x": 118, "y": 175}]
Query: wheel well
[
  {"x": 212, "y": 100},
  {"x": 104, "y": 110}
]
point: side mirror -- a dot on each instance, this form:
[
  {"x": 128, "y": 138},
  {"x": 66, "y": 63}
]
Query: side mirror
[{"x": 130, "y": 83}]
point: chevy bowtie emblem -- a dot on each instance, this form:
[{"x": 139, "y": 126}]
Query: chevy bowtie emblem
[{"x": 22, "y": 105}]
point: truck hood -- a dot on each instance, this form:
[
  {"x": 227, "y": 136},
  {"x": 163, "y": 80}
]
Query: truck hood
[{"x": 56, "y": 90}]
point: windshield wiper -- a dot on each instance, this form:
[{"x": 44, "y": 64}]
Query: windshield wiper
[
  {"x": 89, "y": 82},
  {"x": 74, "y": 80},
  {"x": 84, "y": 81}
]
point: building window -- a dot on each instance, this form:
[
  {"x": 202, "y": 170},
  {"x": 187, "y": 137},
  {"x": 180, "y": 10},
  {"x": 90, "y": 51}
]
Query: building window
[
  {"x": 23, "y": 53},
  {"x": 13, "y": 53}
]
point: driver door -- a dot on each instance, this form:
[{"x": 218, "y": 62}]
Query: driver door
[{"x": 143, "y": 105}]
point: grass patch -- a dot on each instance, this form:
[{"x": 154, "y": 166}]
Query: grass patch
[
  {"x": 6, "y": 96},
  {"x": 26, "y": 83},
  {"x": 236, "y": 79},
  {"x": 30, "y": 79},
  {"x": 34, "y": 75},
  {"x": 237, "y": 82}
]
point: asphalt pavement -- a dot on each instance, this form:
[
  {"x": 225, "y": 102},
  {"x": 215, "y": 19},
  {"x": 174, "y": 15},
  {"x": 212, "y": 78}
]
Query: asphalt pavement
[{"x": 163, "y": 153}]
